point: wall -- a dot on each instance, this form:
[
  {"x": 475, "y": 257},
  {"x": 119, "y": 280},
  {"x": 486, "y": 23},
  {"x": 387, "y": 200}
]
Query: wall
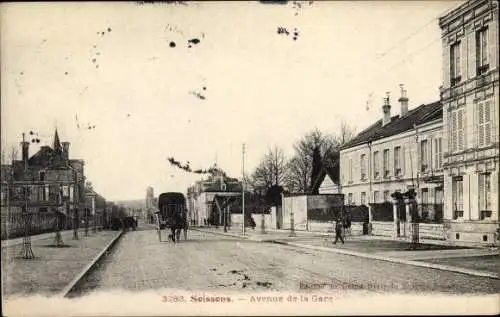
[
  {"x": 269, "y": 222},
  {"x": 472, "y": 231},
  {"x": 380, "y": 228},
  {"x": 299, "y": 206}
]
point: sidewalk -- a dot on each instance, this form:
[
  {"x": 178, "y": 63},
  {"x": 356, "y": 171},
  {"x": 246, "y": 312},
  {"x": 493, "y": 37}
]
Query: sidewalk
[
  {"x": 50, "y": 235},
  {"x": 444, "y": 256},
  {"x": 53, "y": 268}
]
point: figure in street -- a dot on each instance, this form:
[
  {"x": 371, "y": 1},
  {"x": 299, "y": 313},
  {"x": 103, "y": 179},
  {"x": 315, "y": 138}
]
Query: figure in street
[{"x": 338, "y": 231}]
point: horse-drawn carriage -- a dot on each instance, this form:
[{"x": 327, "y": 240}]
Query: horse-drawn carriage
[{"x": 172, "y": 215}]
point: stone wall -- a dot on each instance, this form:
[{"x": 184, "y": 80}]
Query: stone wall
[{"x": 473, "y": 232}]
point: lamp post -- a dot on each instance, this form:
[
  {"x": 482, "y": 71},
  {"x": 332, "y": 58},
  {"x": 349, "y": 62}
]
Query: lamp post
[
  {"x": 292, "y": 224},
  {"x": 243, "y": 187}
]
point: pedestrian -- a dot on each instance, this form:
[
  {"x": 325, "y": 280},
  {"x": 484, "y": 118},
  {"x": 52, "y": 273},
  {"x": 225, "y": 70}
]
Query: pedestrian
[{"x": 338, "y": 231}]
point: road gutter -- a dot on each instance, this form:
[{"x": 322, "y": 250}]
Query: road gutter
[{"x": 65, "y": 292}]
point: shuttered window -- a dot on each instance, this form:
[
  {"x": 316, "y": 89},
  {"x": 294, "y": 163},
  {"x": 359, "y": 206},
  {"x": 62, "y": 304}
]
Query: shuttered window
[
  {"x": 438, "y": 155},
  {"x": 457, "y": 130},
  {"x": 484, "y": 123}
]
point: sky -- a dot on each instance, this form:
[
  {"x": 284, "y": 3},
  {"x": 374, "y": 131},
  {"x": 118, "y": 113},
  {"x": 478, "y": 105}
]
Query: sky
[{"x": 109, "y": 77}]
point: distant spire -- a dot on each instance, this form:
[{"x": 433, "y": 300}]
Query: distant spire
[{"x": 57, "y": 143}]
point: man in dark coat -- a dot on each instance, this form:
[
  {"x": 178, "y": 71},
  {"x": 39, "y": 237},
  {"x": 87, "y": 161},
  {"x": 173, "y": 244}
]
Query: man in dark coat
[{"x": 338, "y": 232}]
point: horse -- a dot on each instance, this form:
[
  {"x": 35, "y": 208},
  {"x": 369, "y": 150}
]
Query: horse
[{"x": 177, "y": 223}]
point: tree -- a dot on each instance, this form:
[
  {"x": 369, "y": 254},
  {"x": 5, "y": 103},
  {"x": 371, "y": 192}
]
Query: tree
[
  {"x": 314, "y": 151},
  {"x": 271, "y": 171},
  {"x": 345, "y": 134},
  {"x": 300, "y": 175}
]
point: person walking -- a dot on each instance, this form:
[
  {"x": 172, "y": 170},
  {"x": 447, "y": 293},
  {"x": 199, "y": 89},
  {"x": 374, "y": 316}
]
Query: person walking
[{"x": 338, "y": 231}]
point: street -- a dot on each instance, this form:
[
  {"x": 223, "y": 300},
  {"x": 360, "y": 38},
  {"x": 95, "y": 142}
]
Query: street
[{"x": 211, "y": 262}]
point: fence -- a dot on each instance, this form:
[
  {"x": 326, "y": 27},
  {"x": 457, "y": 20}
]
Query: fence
[
  {"x": 13, "y": 224},
  {"x": 430, "y": 213},
  {"x": 383, "y": 212}
]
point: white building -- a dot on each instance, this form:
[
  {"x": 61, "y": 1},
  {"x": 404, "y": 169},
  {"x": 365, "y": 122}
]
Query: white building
[
  {"x": 201, "y": 196},
  {"x": 470, "y": 97},
  {"x": 395, "y": 154}
]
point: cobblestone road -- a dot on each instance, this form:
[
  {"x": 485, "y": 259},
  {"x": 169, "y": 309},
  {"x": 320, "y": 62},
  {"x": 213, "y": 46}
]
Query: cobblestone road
[{"x": 208, "y": 262}]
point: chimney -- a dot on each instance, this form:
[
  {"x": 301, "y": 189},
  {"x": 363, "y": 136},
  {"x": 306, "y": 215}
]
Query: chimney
[
  {"x": 25, "y": 150},
  {"x": 403, "y": 100},
  {"x": 65, "y": 150},
  {"x": 386, "y": 108}
]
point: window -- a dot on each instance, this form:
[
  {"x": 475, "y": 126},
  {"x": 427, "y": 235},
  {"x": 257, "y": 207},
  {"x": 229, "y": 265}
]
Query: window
[
  {"x": 65, "y": 191},
  {"x": 484, "y": 196},
  {"x": 424, "y": 152},
  {"x": 387, "y": 196},
  {"x": 350, "y": 170},
  {"x": 376, "y": 196},
  {"x": 457, "y": 197},
  {"x": 397, "y": 161},
  {"x": 41, "y": 193},
  {"x": 349, "y": 199},
  {"x": 363, "y": 166},
  {"x": 71, "y": 193},
  {"x": 363, "y": 198},
  {"x": 386, "y": 163},
  {"x": 484, "y": 123},
  {"x": 438, "y": 154},
  {"x": 42, "y": 176},
  {"x": 439, "y": 197},
  {"x": 455, "y": 63},
  {"x": 482, "y": 51},
  {"x": 376, "y": 164},
  {"x": 457, "y": 130}
]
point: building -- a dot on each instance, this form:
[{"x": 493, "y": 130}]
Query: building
[
  {"x": 470, "y": 97},
  {"x": 47, "y": 182},
  {"x": 95, "y": 208},
  {"x": 395, "y": 154},
  {"x": 151, "y": 204},
  {"x": 201, "y": 196}
]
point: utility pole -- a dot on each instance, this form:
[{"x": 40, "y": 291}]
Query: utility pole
[
  {"x": 243, "y": 188},
  {"x": 27, "y": 251}
]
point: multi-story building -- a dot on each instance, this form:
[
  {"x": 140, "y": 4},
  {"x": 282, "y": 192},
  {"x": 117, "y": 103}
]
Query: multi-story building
[
  {"x": 470, "y": 97},
  {"x": 395, "y": 154},
  {"x": 50, "y": 176},
  {"x": 202, "y": 194},
  {"x": 46, "y": 182}
]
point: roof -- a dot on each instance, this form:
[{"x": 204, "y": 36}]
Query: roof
[
  {"x": 332, "y": 172},
  {"x": 417, "y": 116}
]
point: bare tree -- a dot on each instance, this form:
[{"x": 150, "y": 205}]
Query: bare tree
[
  {"x": 299, "y": 178},
  {"x": 271, "y": 171},
  {"x": 346, "y": 133}
]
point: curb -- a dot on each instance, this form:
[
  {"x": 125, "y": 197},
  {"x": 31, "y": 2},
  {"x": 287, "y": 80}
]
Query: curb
[
  {"x": 377, "y": 257},
  {"x": 66, "y": 290},
  {"x": 400, "y": 261},
  {"x": 222, "y": 233}
]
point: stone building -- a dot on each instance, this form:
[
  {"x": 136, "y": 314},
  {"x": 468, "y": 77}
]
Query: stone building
[
  {"x": 470, "y": 96},
  {"x": 395, "y": 154},
  {"x": 201, "y": 196},
  {"x": 47, "y": 181}
]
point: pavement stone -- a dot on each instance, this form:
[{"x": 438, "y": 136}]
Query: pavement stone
[
  {"x": 210, "y": 262},
  {"x": 388, "y": 250},
  {"x": 53, "y": 268}
]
